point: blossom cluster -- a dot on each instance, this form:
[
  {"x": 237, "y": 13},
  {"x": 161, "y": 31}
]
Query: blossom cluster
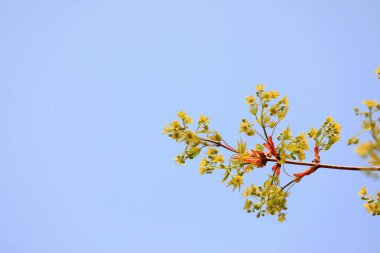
[{"x": 267, "y": 110}]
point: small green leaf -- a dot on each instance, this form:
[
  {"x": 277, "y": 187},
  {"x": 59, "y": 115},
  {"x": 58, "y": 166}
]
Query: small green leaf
[{"x": 226, "y": 175}]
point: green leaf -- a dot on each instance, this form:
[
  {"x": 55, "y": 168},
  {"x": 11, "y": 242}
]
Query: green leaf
[
  {"x": 267, "y": 184},
  {"x": 226, "y": 175},
  {"x": 242, "y": 146},
  {"x": 253, "y": 109},
  {"x": 193, "y": 152},
  {"x": 216, "y": 136}
]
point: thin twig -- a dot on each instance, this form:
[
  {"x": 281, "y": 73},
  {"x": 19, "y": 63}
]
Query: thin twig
[
  {"x": 291, "y": 182},
  {"x": 218, "y": 143},
  {"x": 329, "y": 166}
]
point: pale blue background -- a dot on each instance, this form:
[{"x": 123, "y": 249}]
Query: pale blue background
[{"x": 87, "y": 86}]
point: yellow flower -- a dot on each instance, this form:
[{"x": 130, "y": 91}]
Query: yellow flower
[
  {"x": 302, "y": 141},
  {"x": 247, "y": 204},
  {"x": 370, "y": 103},
  {"x": 377, "y": 71},
  {"x": 285, "y": 100},
  {"x": 189, "y": 135},
  {"x": 237, "y": 181},
  {"x": 250, "y": 99},
  {"x": 175, "y": 124},
  {"x": 180, "y": 159},
  {"x": 334, "y": 139},
  {"x": 244, "y": 126},
  {"x": 212, "y": 151},
  {"x": 203, "y": 119},
  {"x": 203, "y": 162},
  {"x": 176, "y": 136},
  {"x": 203, "y": 166},
  {"x": 188, "y": 120},
  {"x": 353, "y": 140},
  {"x": 329, "y": 119},
  {"x": 267, "y": 95},
  {"x": 272, "y": 124},
  {"x": 275, "y": 94},
  {"x": 273, "y": 110},
  {"x": 368, "y": 207},
  {"x": 337, "y": 127},
  {"x": 281, "y": 217},
  {"x": 260, "y": 87},
  {"x": 364, "y": 148},
  {"x": 363, "y": 191},
  {"x": 182, "y": 114},
  {"x": 312, "y": 132},
  {"x": 166, "y": 129},
  {"x": 218, "y": 159}
]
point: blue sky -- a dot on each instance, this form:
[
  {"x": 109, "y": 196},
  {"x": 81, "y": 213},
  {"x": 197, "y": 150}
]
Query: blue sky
[{"x": 86, "y": 88}]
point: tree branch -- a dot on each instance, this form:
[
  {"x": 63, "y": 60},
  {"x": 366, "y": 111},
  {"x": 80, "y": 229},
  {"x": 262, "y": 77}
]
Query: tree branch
[
  {"x": 320, "y": 165},
  {"x": 329, "y": 166}
]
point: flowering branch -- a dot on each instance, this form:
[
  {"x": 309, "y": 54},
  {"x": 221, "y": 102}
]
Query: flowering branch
[
  {"x": 268, "y": 111},
  {"x": 320, "y": 165}
]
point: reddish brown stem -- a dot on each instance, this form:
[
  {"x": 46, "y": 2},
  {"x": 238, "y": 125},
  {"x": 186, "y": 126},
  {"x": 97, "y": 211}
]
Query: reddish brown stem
[
  {"x": 320, "y": 165},
  {"x": 329, "y": 166},
  {"x": 219, "y": 144}
]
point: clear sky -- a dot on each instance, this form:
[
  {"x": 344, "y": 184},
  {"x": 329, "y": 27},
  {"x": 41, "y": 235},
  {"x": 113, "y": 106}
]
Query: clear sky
[{"x": 86, "y": 88}]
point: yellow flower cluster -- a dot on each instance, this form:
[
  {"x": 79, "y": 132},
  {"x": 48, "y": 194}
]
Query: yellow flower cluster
[
  {"x": 174, "y": 130},
  {"x": 268, "y": 110},
  {"x": 334, "y": 134},
  {"x": 213, "y": 159},
  {"x": 246, "y": 127},
  {"x": 269, "y": 95},
  {"x": 180, "y": 132},
  {"x": 370, "y": 149},
  {"x": 265, "y": 95},
  {"x": 371, "y": 124},
  {"x": 280, "y": 109},
  {"x": 327, "y": 135},
  {"x": 297, "y": 147},
  {"x": 372, "y": 202},
  {"x": 270, "y": 199}
]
